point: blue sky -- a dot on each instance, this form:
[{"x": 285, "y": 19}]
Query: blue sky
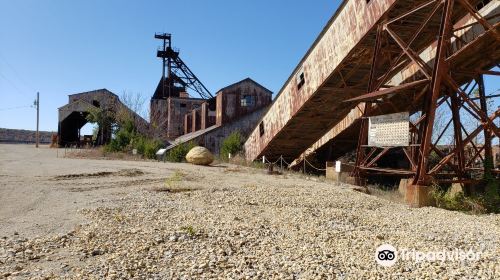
[{"x": 61, "y": 47}]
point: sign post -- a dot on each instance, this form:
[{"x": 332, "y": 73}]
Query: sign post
[
  {"x": 338, "y": 167},
  {"x": 37, "y": 103}
]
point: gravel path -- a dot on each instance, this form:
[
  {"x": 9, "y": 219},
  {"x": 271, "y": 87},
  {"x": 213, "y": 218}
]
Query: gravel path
[{"x": 104, "y": 219}]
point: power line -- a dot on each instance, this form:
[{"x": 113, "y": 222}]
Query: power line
[
  {"x": 14, "y": 108},
  {"x": 13, "y": 85},
  {"x": 20, "y": 77}
]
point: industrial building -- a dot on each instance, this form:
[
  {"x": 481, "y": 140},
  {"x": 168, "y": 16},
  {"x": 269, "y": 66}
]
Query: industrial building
[
  {"x": 73, "y": 116},
  {"x": 237, "y": 107},
  {"x": 167, "y": 112}
]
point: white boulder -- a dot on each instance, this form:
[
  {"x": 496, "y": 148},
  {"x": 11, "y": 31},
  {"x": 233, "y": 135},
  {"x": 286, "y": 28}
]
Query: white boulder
[{"x": 199, "y": 156}]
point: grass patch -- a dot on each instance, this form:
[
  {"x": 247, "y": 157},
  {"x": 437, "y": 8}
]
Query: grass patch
[
  {"x": 189, "y": 230},
  {"x": 175, "y": 178},
  {"x": 172, "y": 184}
]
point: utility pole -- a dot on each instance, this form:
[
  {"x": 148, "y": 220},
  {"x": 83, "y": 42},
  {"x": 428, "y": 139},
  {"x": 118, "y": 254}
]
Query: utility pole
[{"x": 37, "y": 104}]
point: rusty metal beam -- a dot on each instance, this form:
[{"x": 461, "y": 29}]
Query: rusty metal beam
[
  {"x": 377, "y": 157},
  {"x": 473, "y": 106},
  {"x": 426, "y": 4},
  {"x": 457, "y": 128},
  {"x": 424, "y": 68},
  {"x": 396, "y": 65},
  {"x": 488, "y": 151},
  {"x": 383, "y": 93},
  {"x": 473, "y": 158},
  {"x": 475, "y": 23},
  {"x": 410, "y": 159}
]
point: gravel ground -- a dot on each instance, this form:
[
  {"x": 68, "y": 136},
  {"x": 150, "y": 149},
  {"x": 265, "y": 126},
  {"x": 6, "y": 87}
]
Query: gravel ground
[{"x": 101, "y": 219}]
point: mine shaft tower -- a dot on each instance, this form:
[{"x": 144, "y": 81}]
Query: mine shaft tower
[{"x": 176, "y": 75}]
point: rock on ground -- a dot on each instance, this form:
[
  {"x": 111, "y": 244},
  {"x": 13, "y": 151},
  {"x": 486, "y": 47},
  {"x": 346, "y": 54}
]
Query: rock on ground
[{"x": 199, "y": 156}]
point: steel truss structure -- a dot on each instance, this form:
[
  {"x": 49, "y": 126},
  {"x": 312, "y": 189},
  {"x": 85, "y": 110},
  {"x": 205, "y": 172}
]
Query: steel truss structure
[
  {"x": 178, "y": 73},
  {"x": 441, "y": 85}
]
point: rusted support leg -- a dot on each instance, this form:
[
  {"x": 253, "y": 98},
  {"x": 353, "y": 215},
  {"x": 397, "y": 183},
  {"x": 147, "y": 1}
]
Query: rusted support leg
[
  {"x": 440, "y": 68},
  {"x": 457, "y": 128},
  {"x": 488, "y": 152},
  {"x": 418, "y": 193},
  {"x": 363, "y": 135}
]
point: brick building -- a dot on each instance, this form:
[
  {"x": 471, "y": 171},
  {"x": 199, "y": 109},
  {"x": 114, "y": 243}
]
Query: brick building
[{"x": 237, "y": 107}]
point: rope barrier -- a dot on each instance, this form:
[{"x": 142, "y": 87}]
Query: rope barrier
[
  {"x": 274, "y": 163},
  {"x": 281, "y": 160},
  {"x": 319, "y": 169},
  {"x": 287, "y": 164}
]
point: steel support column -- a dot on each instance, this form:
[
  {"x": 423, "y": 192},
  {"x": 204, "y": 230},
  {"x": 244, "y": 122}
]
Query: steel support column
[
  {"x": 488, "y": 152},
  {"x": 440, "y": 69},
  {"x": 363, "y": 135}
]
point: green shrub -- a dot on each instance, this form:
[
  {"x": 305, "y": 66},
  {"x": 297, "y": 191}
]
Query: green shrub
[
  {"x": 146, "y": 146},
  {"x": 476, "y": 204},
  {"x": 120, "y": 143},
  {"x": 127, "y": 139},
  {"x": 178, "y": 153},
  {"x": 139, "y": 143},
  {"x": 233, "y": 144},
  {"x": 151, "y": 146},
  {"x": 123, "y": 139}
]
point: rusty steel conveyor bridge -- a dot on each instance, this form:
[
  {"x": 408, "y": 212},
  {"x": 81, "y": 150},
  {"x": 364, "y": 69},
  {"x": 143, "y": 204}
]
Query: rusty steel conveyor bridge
[{"x": 379, "y": 57}]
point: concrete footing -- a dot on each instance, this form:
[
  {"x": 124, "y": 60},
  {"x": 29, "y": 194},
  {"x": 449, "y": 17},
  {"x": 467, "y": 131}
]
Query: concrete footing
[
  {"x": 418, "y": 195},
  {"x": 403, "y": 185},
  {"x": 415, "y": 195}
]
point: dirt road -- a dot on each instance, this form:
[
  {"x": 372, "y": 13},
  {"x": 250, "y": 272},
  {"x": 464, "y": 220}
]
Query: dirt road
[{"x": 38, "y": 195}]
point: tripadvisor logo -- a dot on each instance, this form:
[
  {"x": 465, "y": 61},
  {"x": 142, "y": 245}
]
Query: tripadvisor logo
[{"x": 386, "y": 255}]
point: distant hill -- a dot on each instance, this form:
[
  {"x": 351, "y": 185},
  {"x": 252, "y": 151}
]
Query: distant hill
[{"x": 24, "y": 136}]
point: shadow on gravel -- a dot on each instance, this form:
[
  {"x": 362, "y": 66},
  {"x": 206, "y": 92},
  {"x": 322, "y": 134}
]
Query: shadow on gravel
[
  {"x": 174, "y": 190},
  {"x": 123, "y": 172}
]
